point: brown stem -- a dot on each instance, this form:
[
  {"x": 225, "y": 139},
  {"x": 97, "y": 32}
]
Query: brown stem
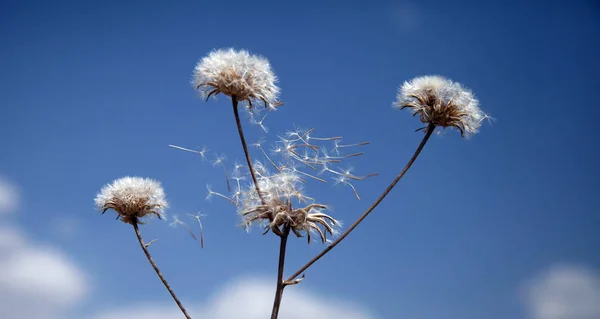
[
  {"x": 164, "y": 281},
  {"x": 280, "y": 283},
  {"x": 430, "y": 130},
  {"x": 241, "y": 132}
]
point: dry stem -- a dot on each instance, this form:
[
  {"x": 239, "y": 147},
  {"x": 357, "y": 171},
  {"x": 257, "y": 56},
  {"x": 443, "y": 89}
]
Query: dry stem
[
  {"x": 280, "y": 283},
  {"x": 243, "y": 140},
  {"x": 164, "y": 281}
]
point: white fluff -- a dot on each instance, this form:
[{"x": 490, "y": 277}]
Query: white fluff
[
  {"x": 248, "y": 77},
  {"x": 133, "y": 197},
  {"x": 448, "y": 103}
]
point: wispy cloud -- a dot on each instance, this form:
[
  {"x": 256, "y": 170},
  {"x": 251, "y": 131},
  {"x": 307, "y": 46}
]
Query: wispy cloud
[
  {"x": 564, "y": 292},
  {"x": 9, "y": 197},
  {"x": 36, "y": 281},
  {"x": 249, "y": 299}
]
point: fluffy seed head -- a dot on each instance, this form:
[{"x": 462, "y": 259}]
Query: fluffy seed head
[
  {"x": 441, "y": 102},
  {"x": 133, "y": 198},
  {"x": 248, "y": 77}
]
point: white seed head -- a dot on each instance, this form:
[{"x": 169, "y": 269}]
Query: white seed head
[
  {"x": 248, "y": 77},
  {"x": 442, "y": 102},
  {"x": 133, "y": 198}
]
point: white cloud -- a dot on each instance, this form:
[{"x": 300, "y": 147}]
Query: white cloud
[
  {"x": 10, "y": 240},
  {"x": 564, "y": 292},
  {"x": 9, "y": 197},
  {"x": 36, "y": 281},
  {"x": 250, "y": 299}
]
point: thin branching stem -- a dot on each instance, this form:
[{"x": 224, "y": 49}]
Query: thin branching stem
[
  {"x": 280, "y": 283},
  {"x": 302, "y": 269},
  {"x": 246, "y": 153},
  {"x": 164, "y": 281}
]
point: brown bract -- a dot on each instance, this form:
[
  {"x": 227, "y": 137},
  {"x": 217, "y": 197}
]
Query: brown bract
[
  {"x": 306, "y": 219},
  {"x": 131, "y": 211},
  {"x": 438, "y": 111},
  {"x": 132, "y": 198},
  {"x": 232, "y": 84}
]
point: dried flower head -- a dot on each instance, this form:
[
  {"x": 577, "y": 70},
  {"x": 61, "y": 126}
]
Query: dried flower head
[
  {"x": 441, "y": 102},
  {"x": 133, "y": 198},
  {"x": 280, "y": 191},
  {"x": 237, "y": 73}
]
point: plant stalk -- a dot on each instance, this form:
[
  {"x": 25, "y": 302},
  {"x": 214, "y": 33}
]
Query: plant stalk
[
  {"x": 245, "y": 146},
  {"x": 280, "y": 283},
  {"x": 164, "y": 281}
]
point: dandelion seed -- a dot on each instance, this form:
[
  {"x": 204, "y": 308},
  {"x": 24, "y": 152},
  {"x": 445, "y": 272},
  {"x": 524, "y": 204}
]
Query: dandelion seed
[
  {"x": 337, "y": 146},
  {"x": 201, "y": 152},
  {"x": 329, "y": 158},
  {"x": 259, "y": 168},
  {"x": 308, "y": 175},
  {"x": 277, "y": 150},
  {"x": 219, "y": 161},
  {"x": 259, "y": 145},
  {"x": 308, "y": 137},
  {"x": 133, "y": 198},
  {"x": 237, "y": 166},
  {"x": 176, "y": 221},
  {"x": 237, "y": 73},
  {"x": 442, "y": 102},
  {"x": 197, "y": 218},
  {"x": 261, "y": 122},
  {"x": 211, "y": 193}
]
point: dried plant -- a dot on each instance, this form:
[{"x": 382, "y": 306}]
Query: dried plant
[
  {"x": 272, "y": 193},
  {"x": 134, "y": 198}
]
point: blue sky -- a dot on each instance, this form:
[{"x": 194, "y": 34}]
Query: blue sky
[{"x": 96, "y": 90}]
